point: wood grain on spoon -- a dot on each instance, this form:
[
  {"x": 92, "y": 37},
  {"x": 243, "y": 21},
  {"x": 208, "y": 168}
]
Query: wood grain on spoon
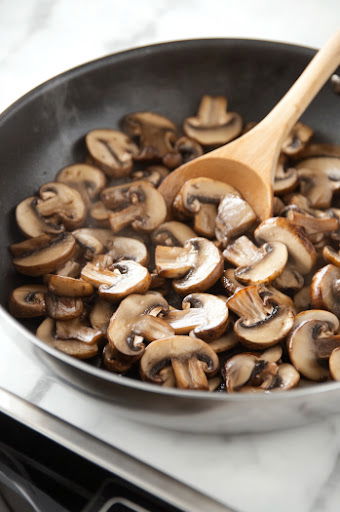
[{"x": 248, "y": 163}]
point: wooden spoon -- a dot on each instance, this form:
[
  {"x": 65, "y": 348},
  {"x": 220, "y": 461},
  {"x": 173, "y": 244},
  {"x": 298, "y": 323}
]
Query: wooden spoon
[{"x": 248, "y": 163}]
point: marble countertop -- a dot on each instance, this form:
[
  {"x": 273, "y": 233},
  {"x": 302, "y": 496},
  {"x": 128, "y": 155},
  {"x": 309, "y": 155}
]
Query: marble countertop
[{"x": 296, "y": 470}]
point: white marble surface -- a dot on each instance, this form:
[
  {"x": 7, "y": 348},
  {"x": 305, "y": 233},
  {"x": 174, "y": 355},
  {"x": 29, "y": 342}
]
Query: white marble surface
[{"x": 296, "y": 470}]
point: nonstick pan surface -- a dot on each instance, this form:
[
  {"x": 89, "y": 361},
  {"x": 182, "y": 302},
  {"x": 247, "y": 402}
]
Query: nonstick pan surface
[{"x": 43, "y": 131}]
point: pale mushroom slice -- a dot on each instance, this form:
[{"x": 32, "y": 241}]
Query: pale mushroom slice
[
  {"x": 191, "y": 360},
  {"x": 62, "y": 202},
  {"x": 137, "y": 204},
  {"x": 87, "y": 179},
  {"x": 199, "y": 264},
  {"x": 234, "y": 217},
  {"x": 71, "y": 347},
  {"x": 77, "y": 329},
  {"x": 286, "y": 178},
  {"x": 100, "y": 314},
  {"x": 43, "y": 254},
  {"x": 136, "y": 322},
  {"x": 325, "y": 289},
  {"x": 28, "y": 301},
  {"x": 312, "y": 340},
  {"x": 112, "y": 150},
  {"x": 263, "y": 320},
  {"x": 213, "y": 124},
  {"x": 68, "y": 286},
  {"x": 298, "y": 138},
  {"x": 155, "y": 174},
  {"x": 301, "y": 253},
  {"x": 120, "y": 280},
  {"x": 200, "y": 197},
  {"x": 203, "y": 314},
  {"x": 172, "y": 234},
  {"x": 257, "y": 265},
  {"x": 63, "y": 308},
  {"x": 334, "y": 364},
  {"x": 31, "y": 223},
  {"x": 115, "y": 361},
  {"x": 156, "y": 137}
]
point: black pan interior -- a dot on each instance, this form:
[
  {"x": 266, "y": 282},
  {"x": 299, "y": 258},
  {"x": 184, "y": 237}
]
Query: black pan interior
[{"x": 44, "y": 131}]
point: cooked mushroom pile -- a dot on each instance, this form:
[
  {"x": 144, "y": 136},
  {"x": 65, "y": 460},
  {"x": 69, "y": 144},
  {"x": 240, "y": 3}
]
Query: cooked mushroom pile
[{"x": 203, "y": 297}]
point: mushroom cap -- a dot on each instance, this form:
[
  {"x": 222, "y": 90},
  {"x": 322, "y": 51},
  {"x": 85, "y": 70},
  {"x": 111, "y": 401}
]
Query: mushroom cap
[
  {"x": 63, "y": 308},
  {"x": 85, "y": 178},
  {"x": 234, "y": 217},
  {"x": 289, "y": 279},
  {"x": 325, "y": 289},
  {"x": 226, "y": 342},
  {"x": 120, "y": 280},
  {"x": 77, "y": 329},
  {"x": 100, "y": 214},
  {"x": 301, "y": 251},
  {"x": 115, "y": 361},
  {"x": 188, "y": 148},
  {"x": 311, "y": 329},
  {"x": 43, "y": 254},
  {"x": 334, "y": 364},
  {"x": 28, "y": 301},
  {"x": 155, "y": 174},
  {"x": 74, "y": 348},
  {"x": 63, "y": 202},
  {"x": 68, "y": 286},
  {"x": 331, "y": 255},
  {"x": 204, "y": 314},
  {"x": 112, "y": 150},
  {"x": 100, "y": 314},
  {"x": 31, "y": 223},
  {"x": 193, "y": 354},
  {"x": 286, "y": 179},
  {"x": 172, "y": 233},
  {"x": 297, "y": 139}
]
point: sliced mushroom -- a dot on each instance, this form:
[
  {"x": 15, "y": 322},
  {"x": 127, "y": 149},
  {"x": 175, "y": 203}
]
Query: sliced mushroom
[
  {"x": 299, "y": 136},
  {"x": 325, "y": 289},
  {"x": 286, "y": 178},
  {"x": 68, "y": 286},
  {"x": 199, "y": 264},
  {"x": 75, "y": 348},
  {"x": 88, "y": 180},
  {"x": 302, "y": 299},
  {"x": 28, "y": 301},
  {"x": 229, "y": 281},
  {"x": 77, "y": 329},
  {"x": 63, "y": 308},
  {"x": 313, "y": 224},
  {"x": 100, "y": 314},
  {"x": 155, "y": 174},
  {"x": 63, "y": 203},
  {"x": 302, "y": 255},
  {"x": 120, "y": 280},
  {"x": 100, "y": 214},
  {"x": 226, "y": 342},
  {"x": 334, "y": 364},
  {"x": 234, "y": 217},
  {"x": 263, "y": 321},
  {"x": 311, "y": 340},
  {"x": 31, "y": 223},
  {"x": 136, "y": 321},
  {"x": 70, "y": 268},
  {"x": 290, "y": 279},
  {"x": 156, "y": 137},
  {"x": 188, "y": 148},
  {"x": 43, "y": 254},
  {"x": 172, "y": 234},
  {"x": 257, "y": 265},
  {"x": 331, "y": 255},
  {"x": 213, "y": 125},
  {"x": 115, "y": 361},
  {"x": 202, "y": 313},
  {"x": 191, "y": 360},
  {"x": 335, "y": 81},
  {"x": 112, "y": 150},
  {"x": 200, "y": 197}
]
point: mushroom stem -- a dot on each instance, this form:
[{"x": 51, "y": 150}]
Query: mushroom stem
[
  {"x": 122, "y": 218},
  {"x": 250, "y": 306},
  {"x": 189, "y": 374}
]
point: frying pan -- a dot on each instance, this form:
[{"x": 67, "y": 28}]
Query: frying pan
[{"x": 43, "y": 131}]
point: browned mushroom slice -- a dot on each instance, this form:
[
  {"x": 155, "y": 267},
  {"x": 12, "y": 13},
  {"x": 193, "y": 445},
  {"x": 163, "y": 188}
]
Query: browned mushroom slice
[
  {"x": 155, "y": 174},
  {"x": 62, "y": 202},
  {"x": 278, "y": 206},
  {"x": 334, "y": 364},
  {"x": 331, "y": 255},
  {"x": 263, "y": 322},
  {"x": 172, "y": 234},
  {"x": 312, "y": 224},
  {"x": 302, "y": 299},
  {"x": 136, "y": 321},
  {"x": 115, "y": 361},
  {"x": 122, "y": 279},
  {"x": 63, "y": 308},
  {"x": 325, "y": 289},
  {"x": 311, "y": 338},
  {"x": 101, "y": 314},
  {"x": 301, "y": 253},
  {"x": 28, "y": 301},
  {"x": 203, "y": 314},
  {"x": 31, "y": 223},
  {"x": 156, "y": 137},
  {"x": 188, "y": 148},
  {"x": 112, "y": 150},
  {"x": 225, "y": 342},
  {"x": 257, "y": 265},
  {"x": 298, "y": 138},
  {"x": 213, "y": 125},
  {"x": 229, "y": 281},
  {"x": 77, "y": 329},
  {"x": 286, "y": 178},
  {"x": 234, "y": 217},
  {"x": 74, "y": 348},
  {"x": 70, "y": 268},
  {"x": 88, "y": 180},
  {"x": 100, "y": 214},
  {"x": 200, "y": 197},
  {"x": 199, "y": 264},
  {"x": 191, "y": 359},
  {"x": 68, "y": 286},
  {"x": 290, "y": 279},
  {"x": 43, "y": 254},
  {"x": 269, "y": 292}
]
